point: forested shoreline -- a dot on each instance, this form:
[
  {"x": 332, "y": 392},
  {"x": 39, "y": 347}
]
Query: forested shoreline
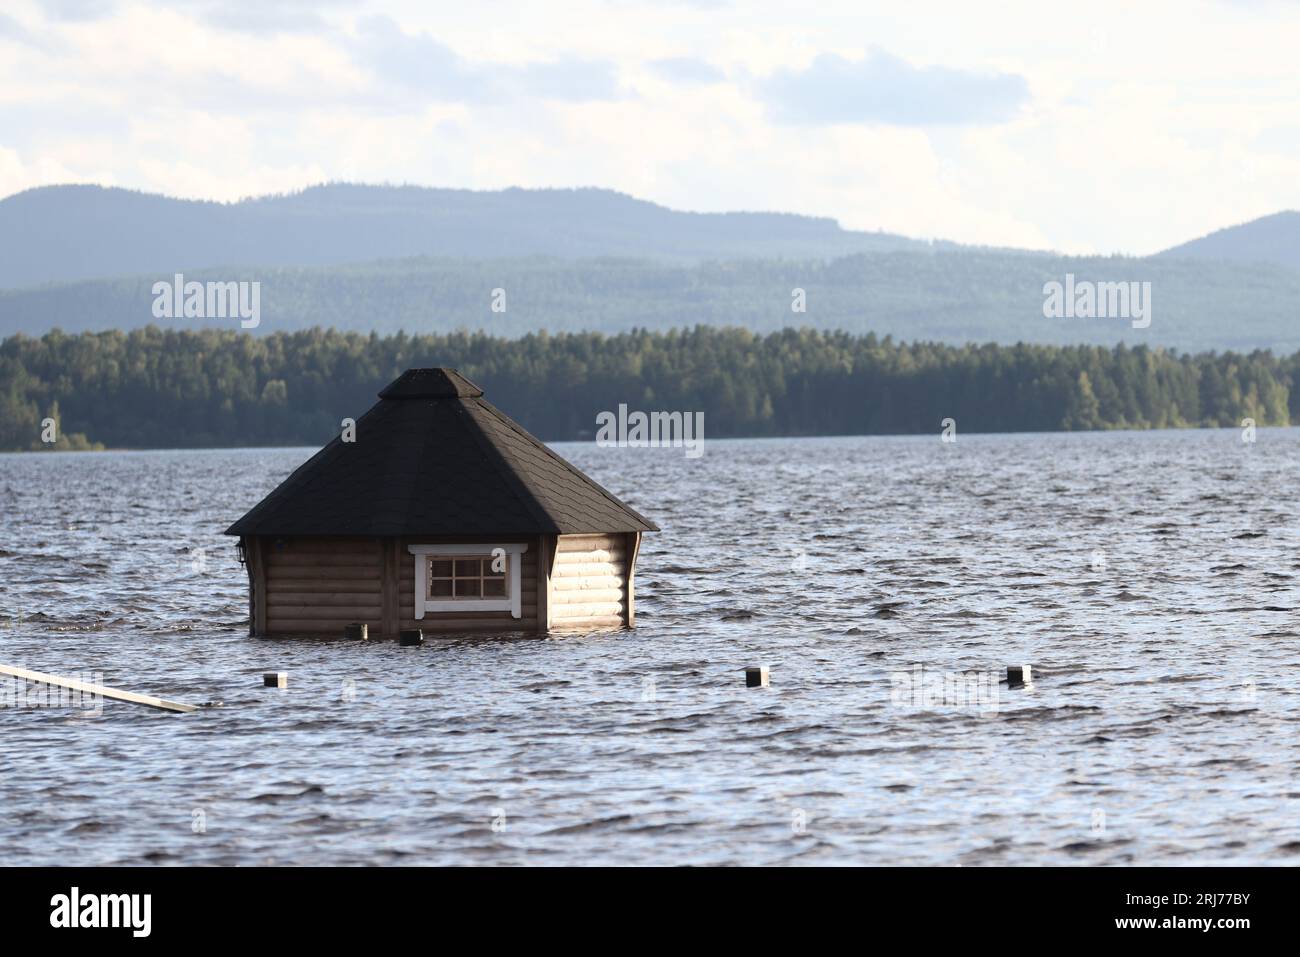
[{"x": 155, "y": 388}]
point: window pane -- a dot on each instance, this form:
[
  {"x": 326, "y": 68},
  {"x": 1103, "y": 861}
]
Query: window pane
[
  {"x": 440, "y": 587},
  {"x": 494, "y": 587},
  {"x": 440, "y": 568},
  {"x": 467, "y": 567},
  {"x": 467, "y": 587},
  {"x": 487, "y": 568}
]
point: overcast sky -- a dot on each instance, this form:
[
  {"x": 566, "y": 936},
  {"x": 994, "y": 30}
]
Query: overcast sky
[{"x": 1119, "y": 127}]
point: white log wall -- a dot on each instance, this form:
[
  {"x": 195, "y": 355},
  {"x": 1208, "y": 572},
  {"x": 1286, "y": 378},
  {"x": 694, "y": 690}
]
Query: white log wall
[{"x": 589, "y": 582}]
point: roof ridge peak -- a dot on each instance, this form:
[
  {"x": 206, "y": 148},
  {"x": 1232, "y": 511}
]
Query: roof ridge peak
[{"x": 434, "y": 382}]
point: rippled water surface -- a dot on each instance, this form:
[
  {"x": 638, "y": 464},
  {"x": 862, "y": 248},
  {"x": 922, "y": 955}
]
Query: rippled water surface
[{"x": 1150, "y": 579}]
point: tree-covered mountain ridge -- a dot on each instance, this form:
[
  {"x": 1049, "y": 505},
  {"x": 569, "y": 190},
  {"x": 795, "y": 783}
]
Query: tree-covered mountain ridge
[
  {"x": 68, "y": 233},
  {"x": 952, "y": 296},
  {"x": 424, "y": 260}
]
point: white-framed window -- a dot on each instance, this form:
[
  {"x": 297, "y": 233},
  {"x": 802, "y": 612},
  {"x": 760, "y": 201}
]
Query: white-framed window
[{"x": 468, "y": 578}]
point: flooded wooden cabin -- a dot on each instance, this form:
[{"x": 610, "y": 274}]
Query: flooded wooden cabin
[{"x": 442, "y": 514}]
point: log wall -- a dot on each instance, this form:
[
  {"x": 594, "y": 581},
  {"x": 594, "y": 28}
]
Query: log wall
[
  {"x": 589, "y": 582},
  {"x": 315, "y": 586}
]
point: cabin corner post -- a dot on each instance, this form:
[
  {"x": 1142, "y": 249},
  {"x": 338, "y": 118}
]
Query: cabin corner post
[
  {"x": 245, "y": 551},
  {"x": 255, "y": 556},
  {"x": 633, "y": 549},
  {"x": 545, "y": 559},
  {"x": 391, "y": 613}
]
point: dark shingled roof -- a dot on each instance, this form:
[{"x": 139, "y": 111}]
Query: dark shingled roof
[{"x": 432, "y": 457}]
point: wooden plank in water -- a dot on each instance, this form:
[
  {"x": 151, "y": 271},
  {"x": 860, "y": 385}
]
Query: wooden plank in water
[{"x": 112, "y": 694}]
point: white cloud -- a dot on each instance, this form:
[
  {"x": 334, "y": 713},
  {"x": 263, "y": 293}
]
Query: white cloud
[
  {"x": 682, "y": 69},
  {"x": 1136, "y": 127},
  {"x": 427, "y": 68},
  {"x": 881, "y": 89},
  {"x": 17, "y": 175}
]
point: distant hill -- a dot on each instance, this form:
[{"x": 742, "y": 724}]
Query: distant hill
[
  {"x": 385, "y": 258},
  {"x": 1269, "y": 239},
  {"x": 953, "y": 296},
  {"x": 63, "y": 233}
]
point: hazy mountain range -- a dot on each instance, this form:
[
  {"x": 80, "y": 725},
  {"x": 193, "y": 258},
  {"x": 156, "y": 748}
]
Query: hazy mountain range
[
  {"x": 1271, "y": 239},
  {"x": 61, "y": 233},
  {"x": 426, "y": 260}
]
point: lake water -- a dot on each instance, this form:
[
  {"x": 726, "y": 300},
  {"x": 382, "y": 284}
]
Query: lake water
[{"x": 1149, "y": 578}]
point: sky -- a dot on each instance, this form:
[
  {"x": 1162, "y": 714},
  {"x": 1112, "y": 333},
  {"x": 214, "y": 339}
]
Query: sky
[{"x": 1097, "y": 127}]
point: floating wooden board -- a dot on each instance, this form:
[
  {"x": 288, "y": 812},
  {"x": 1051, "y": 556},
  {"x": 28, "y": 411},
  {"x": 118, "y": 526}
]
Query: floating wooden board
[{"x": 113, "y": 694}]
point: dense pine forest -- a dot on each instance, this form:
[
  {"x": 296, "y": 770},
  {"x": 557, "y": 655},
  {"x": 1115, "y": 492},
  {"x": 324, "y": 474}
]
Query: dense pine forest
[{"x": 151, "y": 388}]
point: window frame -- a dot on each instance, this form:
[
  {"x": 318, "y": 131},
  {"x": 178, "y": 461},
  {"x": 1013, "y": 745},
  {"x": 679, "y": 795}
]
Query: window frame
[
  {"x": 511, "y": 602},
  {"x": 480, "y": 577}
]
